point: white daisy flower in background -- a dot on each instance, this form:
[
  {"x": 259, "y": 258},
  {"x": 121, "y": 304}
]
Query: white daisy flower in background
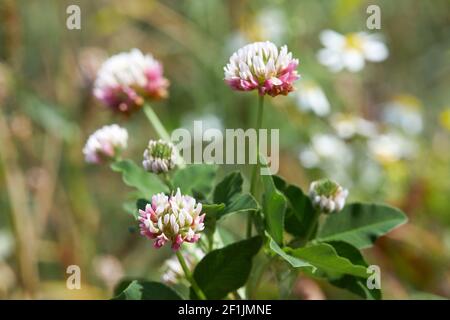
[
  {"x": 405, "y": 112},
  {"x": 325, "y": 148},
  {"x": 127, "y": 79},
  {"x": 327, "y": 196},
  {"x": 391, "y": 147},
  {"x": 310, "y": 97},
  {"x": 350, "y": 51},
  {"x": 262, "y": 66},
  {"x": 160, "y": 156},
  {"x": 105, "y": 144},
  {"x": 348, "y": 126}
]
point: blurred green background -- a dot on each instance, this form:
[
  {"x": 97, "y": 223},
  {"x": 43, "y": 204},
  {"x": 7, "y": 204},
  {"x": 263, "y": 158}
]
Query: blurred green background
[{"x": 56, "y": 211}]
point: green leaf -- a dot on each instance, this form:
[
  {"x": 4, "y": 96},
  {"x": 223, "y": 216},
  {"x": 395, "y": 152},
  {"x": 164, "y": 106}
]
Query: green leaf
[
  {"x": 195, "y": 179},
  {"x": 144, "y": 290},
  {"x": 211, "y": 211},
  {"x": 225, "y": 270},
  {"x": 357, "y": 285},
  {"x": 300, "y": 212},
  {"x": 242, "y": 203},
  {"x": 361, "y": 224},
  {"x": 134, "y": 176},
  {"x": 227, "y": 189},
  {"x": 293, "y": 261},
  {"x": 274, "y": 208},
  {"x": 325, "y": 258}
]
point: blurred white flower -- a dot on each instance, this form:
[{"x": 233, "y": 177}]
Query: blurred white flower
[
  {"x": 310, "y": 97},
  {"x": 271, "y": 23},
  {"x": 262, "y": 66},
  {"x": 327, "y": 195},
  {"x": 159, "y": 156},
  {"x": 350, "y": 51},
  {"x": 106, "y": 143},
  {"x": 347, "y": 126},
  {"x": 404, "y": 112},
  {"x": 125, "y": 80},
  {"x": 172, "y": 271},
  {"x": 391, "y": 147},
  {"x": 6, "y": 244},
  {"x": 109, "y": 269},
  {"x": 325, "y": 147}
]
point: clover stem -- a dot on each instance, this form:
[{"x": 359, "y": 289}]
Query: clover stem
[
  {"x": 256, "y": 166},
  {"x": 155, "y": 122},
  {"x": 189, "y": 276},
  {"x": 312, "y": 226},
  {"x": 167, "y": 182}
]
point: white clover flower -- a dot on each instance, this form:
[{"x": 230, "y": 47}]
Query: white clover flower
[
  {"x": 106, "y": 143},
  {"x": 310, "y": 97},
  {"x": 177, "y": 219},
  {"x": 327, "y": 196},
  {"x": 404, "y": 111},
  {"x": 391, "y": 147},
  {"x": 127, "y": 79},
  {"x": 350, "y": 51},
  {"x": 325, "y": 148},
  {"x": 160, "y": 156},
  {"x": 172, "y": 271},
  {"x": 261, "y": 66},
  {"x": 347, "y": 126}
]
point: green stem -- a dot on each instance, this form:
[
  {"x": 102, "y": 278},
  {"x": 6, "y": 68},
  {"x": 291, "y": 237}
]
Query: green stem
[
  {"x": 156, "y": 123},
  {"x": 166, "y": 179},
  {"x": 254, "y": 177},
  {"x": 189, "y": 276},
  {"x": 313, "y": 225}
]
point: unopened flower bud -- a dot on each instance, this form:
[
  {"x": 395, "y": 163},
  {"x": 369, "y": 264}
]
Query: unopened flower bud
[
  {"x": 327, "y": 196},
  {"x": 160, "y": 156}
]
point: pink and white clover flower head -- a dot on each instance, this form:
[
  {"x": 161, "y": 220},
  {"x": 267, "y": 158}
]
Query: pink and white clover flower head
[
  {"x": 127, "y": 79},
  {"x": 105, "y": 144},
  {"x": 176, "y": 219},
  {"x": 262, "y": 66}
]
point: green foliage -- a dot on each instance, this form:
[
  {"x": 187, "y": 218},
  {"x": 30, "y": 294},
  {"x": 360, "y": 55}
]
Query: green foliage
[
  {"x": 195, "y": 179},
  {"x": 361, "y": 224},
  {"x": 134, "y": 176},
  {"x": 144, "y": 290},
  {"x": 225, "y": 270},
  {"x": 274, "y": 209}
]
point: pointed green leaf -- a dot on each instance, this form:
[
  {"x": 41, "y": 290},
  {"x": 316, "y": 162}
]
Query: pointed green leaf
[
  {"x": 361, "y": 224},
  {"x": 134, "y": 176},
  {"x": 274, "y": 209}
]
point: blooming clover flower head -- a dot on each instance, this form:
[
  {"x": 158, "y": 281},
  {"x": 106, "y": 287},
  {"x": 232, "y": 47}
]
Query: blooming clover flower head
[
  {"x": 160, "y": 156},
  {"x": 350, "y": 51},
  {"x": 105, "y": 143},
  {"x": 327, "y": 195},
  {"x": 176, "y": 218},
  {"x": 263, "y": 67},
  {"x": 127, "y": 79}
]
